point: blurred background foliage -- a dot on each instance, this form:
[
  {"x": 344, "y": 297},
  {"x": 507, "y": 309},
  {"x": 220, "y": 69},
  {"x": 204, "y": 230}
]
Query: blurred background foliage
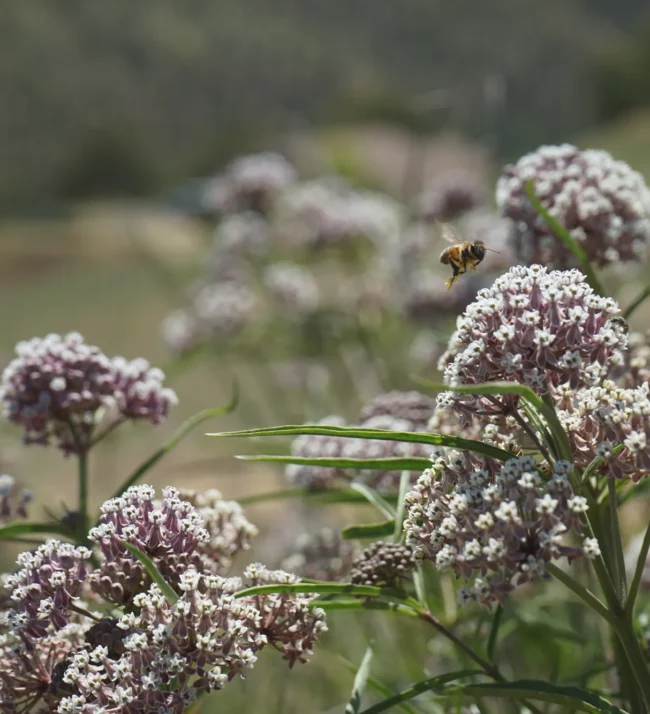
[
  {"x": 135, "y": 96},
  {"x": 112, "y": 111}
]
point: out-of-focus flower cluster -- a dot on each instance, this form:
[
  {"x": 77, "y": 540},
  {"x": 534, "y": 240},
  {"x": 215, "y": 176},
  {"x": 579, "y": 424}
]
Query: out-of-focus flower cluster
[
  {"x": 498, "y": 526},
  {"x": 13, "y": 501},
  {"x": 395, "y": 411},
  {"x": 328, "y": 254},
  {"x": 535, "y": 327},
  {"x": 58, "y": 387},
  {"x": 157, "y": 653},
  {"x": 324, "y": 555},
  {"x": 603, "y": 203},
  {"x": 450, "y": 195}
]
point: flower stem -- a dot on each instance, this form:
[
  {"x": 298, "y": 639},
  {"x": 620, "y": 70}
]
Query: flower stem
[
  {"x": 618, "y": 564},
  {"x": 638, "y": 572},
  {"x": 490, "y": 669}
]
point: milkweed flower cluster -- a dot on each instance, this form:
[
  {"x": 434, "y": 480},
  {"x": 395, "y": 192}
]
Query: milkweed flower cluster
[
  {"x": 383, "y": 565},
  {"x": 324, "y": 555},
  {"x": 249, "y": 183},
  {"x": 43, "y": 588},
  {"x": 315, "y": 214},
  {"x": 245, "y": 233},
  {"x": 292, "y": 286},
  {"x": 57, "y": 385},
  {"x": 603, "y": 203},
  {"x": 289, "y": 622},
  {"x": 395, "y": 411},
  {"x": 535, "y": 327},
  {"x": 496, "y": 527},
  {"x": 156, "y": 653},
  {"x": 600, "y": 418},
  {"x": 179, "y": 531},
  {"x": 449, "y": 195},
  {"x": 13, "y": 501}
]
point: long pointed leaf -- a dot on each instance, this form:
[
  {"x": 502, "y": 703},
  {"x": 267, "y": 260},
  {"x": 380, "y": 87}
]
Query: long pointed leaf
[
  {"x": 369, "y": 530},
  {"x": 416, "y": 437},
  {"x": 433, "y": 684},
  {"x": 176, "y": 438},
  {"x": 631, "y": 308},
  {"x": 315, "y": 588},
  {"x": 26, "y": 528},
  {"x": 546, "y": 409},
  {"x": 360, "y": 682},
  {"x": 573, "y": 698},
  {"x": 390, "y": 464},
  {"x": 377, "y": 686},
  {"x": 380, "y": 503},
  {"x": 153, "y": 571}
]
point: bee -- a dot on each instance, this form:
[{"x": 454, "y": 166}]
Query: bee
[{"x": 461, "y": 254}]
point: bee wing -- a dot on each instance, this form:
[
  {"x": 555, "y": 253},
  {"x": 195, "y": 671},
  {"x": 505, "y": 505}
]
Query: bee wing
[{"x": 449, "y": 234}]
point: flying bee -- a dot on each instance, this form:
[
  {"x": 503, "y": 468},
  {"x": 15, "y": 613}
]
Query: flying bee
[{"x": 461, "y": 254}]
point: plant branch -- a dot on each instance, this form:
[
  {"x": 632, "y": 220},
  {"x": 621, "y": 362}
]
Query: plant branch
[
  {"x": 638, "y": 572},
  {"x": 581, "y": 591}
]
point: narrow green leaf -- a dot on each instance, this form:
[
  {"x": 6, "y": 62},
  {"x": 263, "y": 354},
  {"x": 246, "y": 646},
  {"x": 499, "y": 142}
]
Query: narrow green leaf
[
  {"x": 420, "y": 589},
  {"x": 596, "y": 463},
  {"x": 404, "y": 485},
  {"x": 494, "y": 632},
  {"x": 315, "y": 588},
  {"x": 176, "y": 438},
  {"x": 433, "y": 684},
  {"x": 153, "y": 571},
  {"x": 390, "y": 464},
  {"x": 631, "y": 308},
  {"x": 369, "y": 530},
  {"x": 325, "y": 496},
  {"x": 545, "y": 408},
  {"x": 377, "y": 686},
  {"x": 574, "y": 698},
  {"x": 570, "y": 243},
  {"x": 380, "y": 503},
  {"x": 360, "y": 682},
  {"x": 13, "y": 530},
  {"x": 416, "y": 437},
  {"x": 330, "y": 605}
]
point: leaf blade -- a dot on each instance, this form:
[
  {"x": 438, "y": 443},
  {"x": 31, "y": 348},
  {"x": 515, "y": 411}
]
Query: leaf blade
[
  {"x": 369, "y": 530},
  {"x": 155, "y": 574},
  {"x": 360, "y": 682}
]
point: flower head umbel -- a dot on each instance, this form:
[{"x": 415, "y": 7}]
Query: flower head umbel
[
  {"x": 200, "y": 531},
  {"x": 497, "y": 527},
  {"x": 289, "y": 623},
  {"x": 57, "y": 386},
  {"x": 292, "y": 286},
  {"x": 535, "y": 327},
  {"x": 44, "y": 587},
  {"x": 249, "y": 183},
  {"x": 602, "y": 418},
  {"x": 243, "y": 234},
  {"x": 451, "y": 194},
  {"x": 603, "y": 203}
]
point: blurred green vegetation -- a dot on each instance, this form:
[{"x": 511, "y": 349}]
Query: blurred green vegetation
[{"x": 123, "y": 96}]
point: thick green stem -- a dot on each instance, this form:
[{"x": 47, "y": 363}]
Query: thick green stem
[
  {"x": 638, "y": 572},
  {"x": 616, "y": 549}
]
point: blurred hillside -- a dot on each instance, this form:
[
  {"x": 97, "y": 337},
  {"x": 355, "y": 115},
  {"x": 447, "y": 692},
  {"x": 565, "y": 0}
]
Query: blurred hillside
[{"x": 127, "y": 97}]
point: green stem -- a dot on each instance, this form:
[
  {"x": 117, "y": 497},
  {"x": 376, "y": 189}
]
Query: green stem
[
  {"x": 618, "y": 561},
  {"x": 638, "y": 572},
  {"x": 82, "y": 509},
  {"x": 581, "y": 591},
  {"x": 645, "y": 293}
]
